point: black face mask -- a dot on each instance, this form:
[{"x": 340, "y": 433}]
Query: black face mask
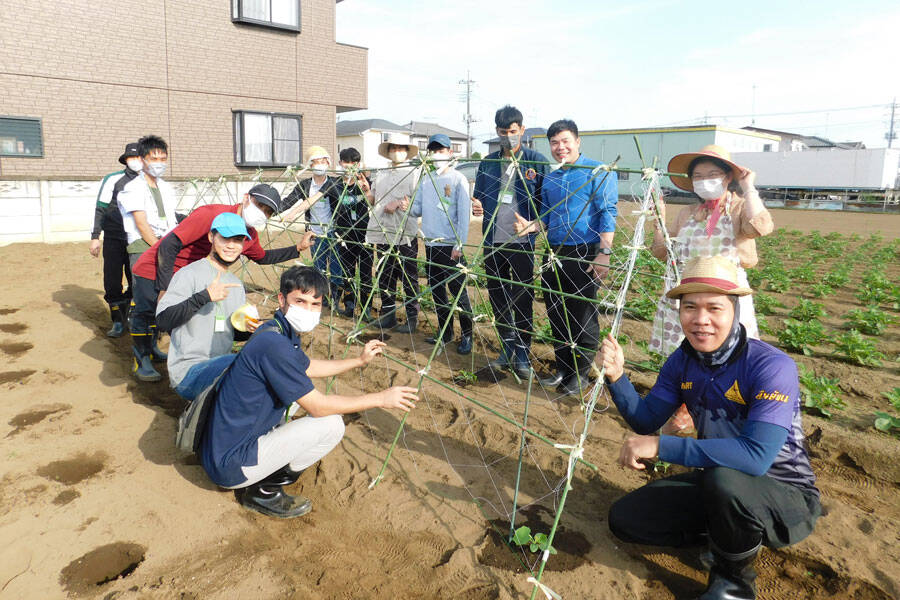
[
  {"x": 736, "y": 336},
  {"x": 222, "y": 261}
]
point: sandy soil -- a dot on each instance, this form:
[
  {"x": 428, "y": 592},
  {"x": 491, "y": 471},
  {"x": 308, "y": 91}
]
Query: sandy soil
[{"x": 95, "y": 501}]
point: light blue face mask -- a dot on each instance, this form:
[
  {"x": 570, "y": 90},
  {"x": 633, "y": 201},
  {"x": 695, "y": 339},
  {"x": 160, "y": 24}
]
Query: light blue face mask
[{"x": 155, "y": 169}]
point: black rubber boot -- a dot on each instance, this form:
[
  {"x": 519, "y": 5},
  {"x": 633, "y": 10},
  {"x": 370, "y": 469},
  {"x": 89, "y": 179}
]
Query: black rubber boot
[
  {"x": 465, "y": 344},
  {"x": 271, "y": 500},
  {"x": 409, "y": 326},
  {"x": 732, "y": 576},
  {"x": 349, "y": 308},
  {"x": 521, "y": 364},
  {"x": 506, "y": 358},
  {"x": 388, "y": 318},
  {"x": 142, "y": 349},
  {"x": 118, "y": 314},
  {"x": 156, "y": 355},
  {"x": 283, "y": 476},
  {"x": 367, "y": 315}
]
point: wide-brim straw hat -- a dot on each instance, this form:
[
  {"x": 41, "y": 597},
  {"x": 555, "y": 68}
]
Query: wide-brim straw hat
[
  {"x": 714, "y": 274},
  {"x": 314, "y": 152},
  {"x": 393, "y": 140},
  {"x": 681, "y": 162}
]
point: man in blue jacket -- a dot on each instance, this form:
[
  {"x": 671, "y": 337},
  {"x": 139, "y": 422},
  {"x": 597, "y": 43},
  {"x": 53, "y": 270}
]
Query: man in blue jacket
[
  {"x": 508, "y": 183},
  {"x": 578, "y": 211},
  {"x": 753, "y": 483}
]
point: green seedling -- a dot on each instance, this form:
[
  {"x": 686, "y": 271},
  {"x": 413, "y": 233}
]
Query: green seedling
[
  {"x": 805, "y": 273},
  {"x": 893, "y": 397},
  {"x": 779, "y": 281},
  {"x": 766, "y": 304},
  {"x": 642, "y": 307},
  {"x": 871, "y": 320},
  {"x": 464, "y": 377},
  {"x": 836, "y": 278},
  {"x": 762, "y": 324},
  {"x": 800, "y": 336},
  {"x": 820, "y": 290},
  {"x": 873, "y": 295},
  {"x": 854, "y": 348},
  {"x": 885, "y": 422},
  {"x": 819, "y": 392},
  {"x": 544, "y": 332},
  {"x": 540, "y": 541},
  {"x": 807, "y": 310}
]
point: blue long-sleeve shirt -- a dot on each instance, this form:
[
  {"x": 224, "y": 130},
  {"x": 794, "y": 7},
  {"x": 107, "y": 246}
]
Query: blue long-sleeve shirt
[
  {"x": 747, "y": 413},
  {"x": 576, "y": 206},
  {"x": 444, "y": 204}
]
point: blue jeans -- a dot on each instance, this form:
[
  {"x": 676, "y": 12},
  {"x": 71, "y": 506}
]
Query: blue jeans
[
  {"x": 325, "y": 255},
  {"x": 202, "y": 374}
]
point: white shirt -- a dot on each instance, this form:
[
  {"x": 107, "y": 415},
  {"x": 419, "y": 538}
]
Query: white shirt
[{"x": 136, "y": 195}]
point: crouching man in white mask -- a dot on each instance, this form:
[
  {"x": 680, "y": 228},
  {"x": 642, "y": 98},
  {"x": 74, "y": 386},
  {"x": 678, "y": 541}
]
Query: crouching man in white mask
[{"x": 249, "y": 443}]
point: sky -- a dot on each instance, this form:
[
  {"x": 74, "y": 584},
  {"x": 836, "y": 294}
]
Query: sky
[{"x": 817, "y": 68}]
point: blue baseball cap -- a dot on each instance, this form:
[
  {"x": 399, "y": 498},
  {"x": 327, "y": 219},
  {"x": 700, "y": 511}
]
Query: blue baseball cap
[
  {"x": 439, "y": 138},
  {"x": 228, "y": 224}
]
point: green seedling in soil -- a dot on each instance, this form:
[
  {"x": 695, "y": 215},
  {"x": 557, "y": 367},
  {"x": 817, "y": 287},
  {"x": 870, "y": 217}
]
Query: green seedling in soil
[
  {"x": 854, "y": 237},
  {"x": 854, "y": 348},
  {"x": 833, "y": 236},
  {"x": 755, "y": 278},
  {"x": 544, "y": 332},
  {"x": 805, "y": 273},
  {"x": 820, "y": 290},
  {"x": 642, "y": 307},
  {"x": 819, "y": 392},
  {"x": 654, "y": 360},
  {"x": 870, "y": 320},
  {"x": 885, "y": 422},
  {"x": 661, "y": 466},
  {"x": 779, "y": 281},
  {"x": 800, "y": 336},
  {"x": 893, "y": 397},
  {"x": 540, "y": 541},
  {"x": 836, "y": 278},
  {"x": 483, "y": 308},
  {"x": 807, "y": 310},
  {"x": 875, "y": 278},
  {"x": 815, "y": 241},
  {"x": 762, "y": 324},
  {"x": 464, "y": 377},
  {"x": 873, "y": 295},
  {"x": 766, "y": 304}
]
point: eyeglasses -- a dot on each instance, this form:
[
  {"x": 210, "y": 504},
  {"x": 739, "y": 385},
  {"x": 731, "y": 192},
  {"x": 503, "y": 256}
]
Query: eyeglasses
[{"x": 713, "y": 175}]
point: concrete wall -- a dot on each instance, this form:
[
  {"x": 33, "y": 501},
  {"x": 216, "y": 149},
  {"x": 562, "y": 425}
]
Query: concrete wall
[
  {"x": 100, "y": 74},
  {"x": 874, "y": 168}
]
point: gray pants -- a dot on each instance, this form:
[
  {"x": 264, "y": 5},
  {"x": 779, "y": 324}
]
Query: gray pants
[{"x": 299, "y": 444}]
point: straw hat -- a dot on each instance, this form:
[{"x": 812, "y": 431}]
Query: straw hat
[
  {"x": 709, "y": 274},
  {"x": 411, "y": 149},
  {"x": 314, "y": 152},
  {"x": 681, "y": 162}
]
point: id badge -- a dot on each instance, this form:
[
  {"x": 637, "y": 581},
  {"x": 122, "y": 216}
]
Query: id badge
[
  {"x": 353, "y": 214},
  {"x": 506, "y": 197},
  {"x": 220, "y": 324}
]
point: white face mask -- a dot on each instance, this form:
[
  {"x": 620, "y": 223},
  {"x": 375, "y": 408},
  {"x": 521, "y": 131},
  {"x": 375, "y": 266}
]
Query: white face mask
[
  {"x": 155, "y": 169},
  {"x": 135, "y": 164},
  {"x": 709, "y": 189},
  {"x": 440, "y": 160},
  {"x": 397, "y": 156},
  {"x": 319, "y": 169},
  {"x": 253, "y": 216},
  {"x": 302, "y": 319}
]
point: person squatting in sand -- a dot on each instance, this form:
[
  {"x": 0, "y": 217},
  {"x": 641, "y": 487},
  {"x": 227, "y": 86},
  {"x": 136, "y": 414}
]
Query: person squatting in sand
[
  {"x": 752, "y": 483},
  {"x": 249, "y": 443}
]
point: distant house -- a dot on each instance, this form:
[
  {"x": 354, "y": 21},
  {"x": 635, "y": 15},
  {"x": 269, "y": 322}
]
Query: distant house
[
  {"x": 527, "y": 139},
  {"x": 795, "y": 142},
  {"x": 422, "y": 131},
  {"x": 366, "y": 134}
]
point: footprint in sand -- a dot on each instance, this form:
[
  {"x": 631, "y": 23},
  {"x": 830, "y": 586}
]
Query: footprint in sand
[
  {"x": 74, "y": 470},
  {"x": 16, "y": 376},
  {"x": 13, "y": 328},
  {"x": 15, "y": 349},
  {"x": 35, "y": 415},
  {"x": 101, "y": 566},
  {"x": 8, "y": 311}
]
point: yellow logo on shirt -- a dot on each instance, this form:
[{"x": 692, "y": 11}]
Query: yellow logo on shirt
[
  {"x": 687, "y": 385},
  {"x": 734, "y": 393},
  {"x": 776, "y": 395}
]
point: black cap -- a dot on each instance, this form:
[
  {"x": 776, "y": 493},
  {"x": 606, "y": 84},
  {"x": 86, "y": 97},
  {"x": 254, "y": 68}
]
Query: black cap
[
  {"x": 266, "y": 194},
  {"x": 131, "y": 150}
]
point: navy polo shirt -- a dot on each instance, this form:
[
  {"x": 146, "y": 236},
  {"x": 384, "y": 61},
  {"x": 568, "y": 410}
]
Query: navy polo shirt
[{"x": 268, "y": 376}]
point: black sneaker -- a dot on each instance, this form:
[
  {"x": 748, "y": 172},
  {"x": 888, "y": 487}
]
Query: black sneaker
[{"x": 465, "y": 345}]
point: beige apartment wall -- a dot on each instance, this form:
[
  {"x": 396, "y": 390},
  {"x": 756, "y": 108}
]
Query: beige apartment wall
[{"x": 100, "y": 74}]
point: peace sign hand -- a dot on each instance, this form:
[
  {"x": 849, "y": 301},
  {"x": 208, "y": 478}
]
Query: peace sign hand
[{"x": 217, "y": 290}]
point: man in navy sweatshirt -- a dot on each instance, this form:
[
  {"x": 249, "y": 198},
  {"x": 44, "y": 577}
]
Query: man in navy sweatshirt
[{"x": 752, "y": 482}]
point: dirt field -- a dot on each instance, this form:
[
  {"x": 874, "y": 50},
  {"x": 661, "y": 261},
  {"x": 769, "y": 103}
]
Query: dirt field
[{"x": 95, "y": 501}]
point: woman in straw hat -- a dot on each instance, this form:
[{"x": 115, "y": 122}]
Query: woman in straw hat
[
  {"x": 725, "y": 222},
  {"x": 751, "y": 482}
]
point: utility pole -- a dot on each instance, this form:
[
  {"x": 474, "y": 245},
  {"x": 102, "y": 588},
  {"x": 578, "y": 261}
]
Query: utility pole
[
  {"x": 753, "y": 110},
  {"x": 890, "y": 135},
  {"x": 468, "y": 118}
]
